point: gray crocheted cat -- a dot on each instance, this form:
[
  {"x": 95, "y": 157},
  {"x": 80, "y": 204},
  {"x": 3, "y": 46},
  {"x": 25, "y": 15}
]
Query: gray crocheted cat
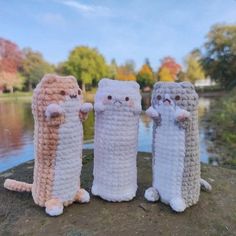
[{"x": 176, "y": 164}]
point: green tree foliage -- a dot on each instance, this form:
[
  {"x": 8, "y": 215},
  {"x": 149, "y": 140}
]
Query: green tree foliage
[
  {"x": 113, "y": 69},
  {"x": 145, "y": 77},
  {"x": 219, "y": 60},
  {"x": 194, "y": 69},
  {"x": 87, "y": 65},
  {"x": 33, "y": 68}
]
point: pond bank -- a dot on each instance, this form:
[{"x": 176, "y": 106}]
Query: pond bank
[
  {"x": 220, "y": 129},
  {"x": 213, "y": 215}
]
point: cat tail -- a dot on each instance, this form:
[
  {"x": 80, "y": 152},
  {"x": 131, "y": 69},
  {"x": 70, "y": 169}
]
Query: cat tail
[
  {"x": 17, "y": 186},
  {"x": 205, "y": 186}
]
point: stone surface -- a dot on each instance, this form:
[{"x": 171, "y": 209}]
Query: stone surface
[{"x": 215, "y": 213}]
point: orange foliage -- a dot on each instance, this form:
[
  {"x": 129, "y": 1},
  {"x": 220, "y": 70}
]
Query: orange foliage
[
  {"x": 145, "y": 70},
  {"x": 124, "y": 74},
  {"x": 169, "y": 69}
]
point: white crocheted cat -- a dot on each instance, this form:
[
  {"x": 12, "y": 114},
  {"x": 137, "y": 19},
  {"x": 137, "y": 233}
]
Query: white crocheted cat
[
  {"x": 176, "y": 165},
  {"x": 117, "y": 106}
]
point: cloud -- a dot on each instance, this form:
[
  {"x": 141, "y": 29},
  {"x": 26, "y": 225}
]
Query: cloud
[
  {"x": 52, "y": 19},
  {"x": 95, "y": 10}
]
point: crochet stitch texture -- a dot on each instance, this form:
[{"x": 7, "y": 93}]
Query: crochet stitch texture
[
  {"x": 117, "y": 106},
  {"x": 176, "y": 164},
  {"x": 58, "y": 109}
]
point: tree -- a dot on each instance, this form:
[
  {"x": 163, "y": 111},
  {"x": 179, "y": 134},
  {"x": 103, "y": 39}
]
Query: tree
[
  {"x": 219, "y": 59},
  {"x": 87, "y": 65},
  {"x": 126, "y": 71},
  {"x": 145, "y": 77},
  {"x": 194, "y": 68},
  {"x": 165, "y": 75},
  {"x": 33, "y": 68},
  {"x": 113, "y": 69},
  {"x": 10, "y": 61},
  {"x": 168, "y": 70}
]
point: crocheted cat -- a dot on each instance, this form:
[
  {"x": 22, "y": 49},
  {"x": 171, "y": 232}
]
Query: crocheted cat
[
  {"x": 176, "y": 165},
  {"x": 117, "y": 106},
  {"x": 58, "y": 138}
]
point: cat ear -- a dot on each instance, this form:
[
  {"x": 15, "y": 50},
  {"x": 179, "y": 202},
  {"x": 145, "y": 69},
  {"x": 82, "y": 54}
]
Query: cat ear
[
  {"x": 104, "y": 83},
  {"x": 133, "y": 84},
  {"x": 157, "y": 85},
  {"x": 186, "y": 84}
]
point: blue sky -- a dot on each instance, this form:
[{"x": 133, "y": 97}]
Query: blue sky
[{"x": 135, "y": 29}]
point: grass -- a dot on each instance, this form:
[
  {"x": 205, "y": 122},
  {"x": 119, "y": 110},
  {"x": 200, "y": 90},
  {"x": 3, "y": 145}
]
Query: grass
[
  {"x": 16, "y": 95},
  {"x": 223, "y": 119}
]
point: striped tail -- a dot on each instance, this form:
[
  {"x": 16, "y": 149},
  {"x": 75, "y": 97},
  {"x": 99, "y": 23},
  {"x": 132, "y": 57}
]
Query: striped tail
[{"x": 17, "y": 186}]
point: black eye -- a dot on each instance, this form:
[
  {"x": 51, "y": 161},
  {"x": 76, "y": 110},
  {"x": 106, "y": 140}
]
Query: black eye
[
  {"x": 127, "y": 99},
  {"x": 62, "y": 92},
  {"x": 109, "y": 97},
  {"x": 177, "y": 97},
  {"x": 159, "y": 97},
  {"x": 79, "y": 92}
]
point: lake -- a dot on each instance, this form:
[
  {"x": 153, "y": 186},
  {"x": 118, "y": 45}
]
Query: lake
[{"x": 16, "y": 132}]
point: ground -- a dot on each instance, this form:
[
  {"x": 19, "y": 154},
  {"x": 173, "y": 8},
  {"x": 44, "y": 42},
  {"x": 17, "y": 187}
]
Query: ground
[{"x": 215, "y": 213}]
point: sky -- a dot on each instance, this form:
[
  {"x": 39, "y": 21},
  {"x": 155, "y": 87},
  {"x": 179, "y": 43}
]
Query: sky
[{"x": 122, "y": 29}]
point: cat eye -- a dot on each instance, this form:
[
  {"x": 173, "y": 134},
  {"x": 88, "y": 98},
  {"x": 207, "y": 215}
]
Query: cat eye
[
  {"x": 177, "y": 97},
  {"x": 109, "y": 97},
  {"x": 62, "y": 92},
  {"x": 127, "y": 99},
  {"x": 159, "y": 97},
  {"x": 79, "y": 92}
]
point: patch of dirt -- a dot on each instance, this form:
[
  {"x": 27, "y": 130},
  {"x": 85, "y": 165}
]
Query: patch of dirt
[{"x": 215, "y": 214}]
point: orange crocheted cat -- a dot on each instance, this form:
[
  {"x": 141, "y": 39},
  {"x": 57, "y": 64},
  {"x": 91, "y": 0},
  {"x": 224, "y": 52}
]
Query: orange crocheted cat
[{"x": 58, "y": 110}]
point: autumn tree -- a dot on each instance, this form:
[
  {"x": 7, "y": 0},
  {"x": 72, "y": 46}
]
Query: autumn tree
[
  {"x": 168, "y": 70},
  {"x": 219, "y": 59},
  {"x": 10, "y": 61},
  {"x": 145, "y": 77},
  {"x": 194, "y": 69},
  {"x": 33, "y": 68},
  {"x": 113, "y": 69},
  {"x": 87, "y": 65},
  {"x": 126, "y": 71}
]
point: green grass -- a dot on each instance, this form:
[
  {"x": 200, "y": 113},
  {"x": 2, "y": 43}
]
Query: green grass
[
  {"x": 223, "y": 118},
  {"x": 16, "y": 95}
]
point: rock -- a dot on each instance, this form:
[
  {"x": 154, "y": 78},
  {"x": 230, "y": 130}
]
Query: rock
[{"x": 213, "y": 215}]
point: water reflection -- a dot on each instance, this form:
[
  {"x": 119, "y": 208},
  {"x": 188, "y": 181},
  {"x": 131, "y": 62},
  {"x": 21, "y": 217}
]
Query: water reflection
[{"x": 16, "y": 131}]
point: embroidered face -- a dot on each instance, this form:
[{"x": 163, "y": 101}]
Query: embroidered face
[
  {"x": 58, "y": 90},
  {"x": 118, "y": 94},
  {"x": 175, "y": 94}
]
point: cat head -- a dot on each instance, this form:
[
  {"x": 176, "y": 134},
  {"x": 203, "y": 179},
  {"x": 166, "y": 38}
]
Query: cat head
[
  {"x": 55, "y": 89},
  {"x": 118, "y": 93},
  {"x": 181, "y": 94}
]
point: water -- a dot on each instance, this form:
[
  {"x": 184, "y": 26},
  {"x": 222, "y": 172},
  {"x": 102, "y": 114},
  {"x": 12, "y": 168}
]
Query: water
[{"x": 16, "y": 132}]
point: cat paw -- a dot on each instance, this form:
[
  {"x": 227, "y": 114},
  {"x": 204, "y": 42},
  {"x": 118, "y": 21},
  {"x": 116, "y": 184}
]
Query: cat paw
[
  {"x": 182, "y": 115},
  {"x": 82, "y": 196},
  {"x": 178, "y": 204},
  {"x": 151, "y": 112},
  {"x": 86, "y": 107},
  {"x": 205, "y": 186},
  {"x": 54, "y": 207},
  {"x": 53, "y": 110},
  {"x": 151, "y": 195}
]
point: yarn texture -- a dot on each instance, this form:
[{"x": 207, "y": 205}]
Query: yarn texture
[
  {"x": 176, "y": 164},
  {"x": 117, "y": 108},
  {"x": 58, "y": 112}
]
